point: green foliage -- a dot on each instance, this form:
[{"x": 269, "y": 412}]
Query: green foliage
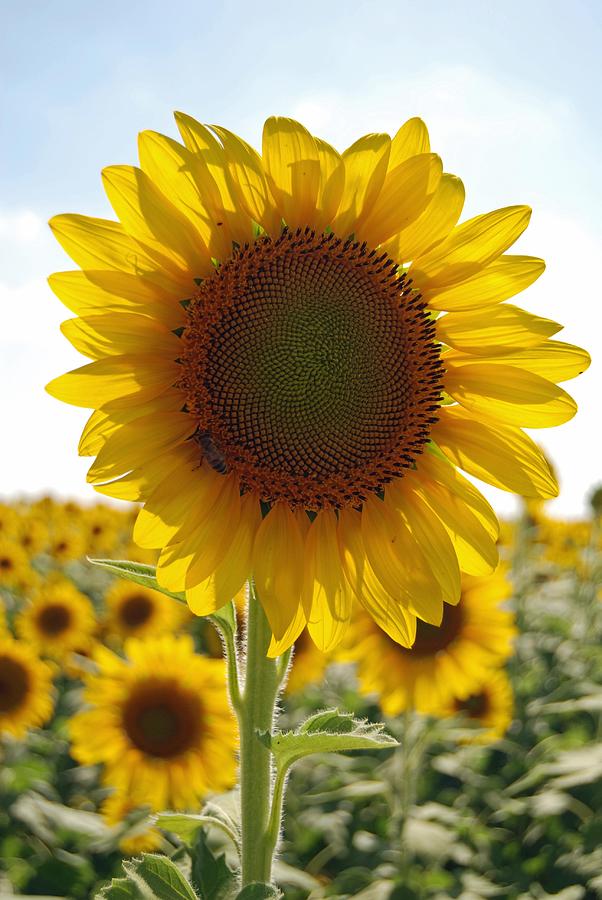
[
  {"x": 328, "y": 731},
  {"x": 158, "y": 877}
]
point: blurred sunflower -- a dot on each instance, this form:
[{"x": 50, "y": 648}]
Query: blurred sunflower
[
  {"x": 444, "y": 662},
  {"x": 100, "y": 529},
  {"x": 160, "y": 722},
  {"x": 58, "y": 621},
  {"x": 8, "y": 519},
  {"x": 489, "y": 706},
  {"x": 66, "y": 542},
  {"x": 136, "y": 611},
  {"x": 14, "y": 563},
  {"x": 32, "y": 534},
  {"x": 272, "y": 377},
  {"x": 142, "y": 837},
  {"x": 308, "y": 665},
  {"x": 25, "y": 688}
]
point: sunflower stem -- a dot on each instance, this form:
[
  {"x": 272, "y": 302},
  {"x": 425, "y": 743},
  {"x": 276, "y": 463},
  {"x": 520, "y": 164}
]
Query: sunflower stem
[{"x": 258, "y": 703}]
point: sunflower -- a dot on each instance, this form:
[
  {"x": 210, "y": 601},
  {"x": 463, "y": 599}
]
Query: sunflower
[
  {"x": 14, "y": 563},
  {"x": 66, "y": 542},
  {"x": 100, "y": 529},
  {"x": 444, "y": 662},
  {"x": 58, "y": 621},
  {"x": 490, "y": 706},
  {"x": 160, "y": 722},
  {"x": 292, "y": 355},
  {"x": 136, "y": 611},
  {"x": 142, "y": 837},
  {"x": 25, "y": 688},
  {"x": 32, "y": 534}
]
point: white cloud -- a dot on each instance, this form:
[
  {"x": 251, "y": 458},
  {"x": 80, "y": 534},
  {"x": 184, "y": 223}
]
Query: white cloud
[{"x": 22, "y": 226}]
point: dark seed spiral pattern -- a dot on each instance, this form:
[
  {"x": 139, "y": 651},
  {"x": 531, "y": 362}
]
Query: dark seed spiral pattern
[{"x": 313, "y": 369}]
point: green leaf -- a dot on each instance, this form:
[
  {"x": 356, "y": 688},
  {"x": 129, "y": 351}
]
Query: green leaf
[
  {"x": 258, "y": 891},
  {"x": 214, "y": 879},
  {"x": 330, "y": 731},
  {"x": 139, "y": 573},
  {"x": 186, "y": 825},
  {"x": 120, "y": 889},
  {"x": 160, "y": 877}
]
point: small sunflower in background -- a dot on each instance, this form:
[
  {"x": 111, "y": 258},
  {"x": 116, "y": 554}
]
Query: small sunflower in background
[
  {"x": 66, "y": 542},
  {"x": 142, "y": 837},
  {"x": 132, "y": 610},
  {"x": 445, "y": 661},
  {"x": 31, "y": 533},
  {"x": 26, "y": 694},
  {"x": 160, "y": 723},
  {"x": 14, "y": 563},
  {"x": 58, "y": 621},
  {"x": 8, "y": 519},
  {"x": 100, "y": 528},
  {"x": 292, "y": 355},
  {"x": 308, "y": 664},
  {"x": 490, "y": 706}
]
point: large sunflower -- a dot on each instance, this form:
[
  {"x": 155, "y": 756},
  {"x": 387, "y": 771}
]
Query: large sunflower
[
  {"x": 273, "y": 378},
  {"x": 445, "y": 662},
  {"x": 25, "y": 688},
  {"x": 160, "y": 722},
  {"x": 58, "y": 621}
]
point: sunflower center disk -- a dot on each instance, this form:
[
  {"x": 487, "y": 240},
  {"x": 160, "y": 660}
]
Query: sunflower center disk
[
  {"x": 14, "y": 684},
  {"x": 136, "y": 610},
  {"x": 162, "y": 720},
  {"x": 312, "y": 370},
  {"x": 54, "y": 619}
]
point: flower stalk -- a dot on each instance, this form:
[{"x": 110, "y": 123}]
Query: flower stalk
[{"x": 256, "y": 714}]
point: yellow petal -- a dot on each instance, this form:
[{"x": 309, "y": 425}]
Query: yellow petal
[
  {"x": 210, "y": 155},
  {"x": 326, "y": 596},
  {"x": 292, "y": 165},
  {"x": 553, "y": 360},
  {"x": 278, "y": 567},
  {"x": 278, "y": 647},
  {"x": 104, "y": 291},
  {"x": 216, "y": 533},
  {"x": 248, "y": 175},
  {"x": 411, "y": 139},
  {"x": 403, "y": 495},
  {"x": 503, "y": 278},
  {"x": 406, "y": 192},
  {"x": 154, "y": 223},
  {"x": 128, "y": 487},
  {"x": 118, "y": 334},
  {"x": 386, "y": 610},
  {"x": 389, "y": 546},
  {"x": 101, "y": 244},
  {"x": 234, "y": 569},
  {"x": 473, "y": 543},
  {"x": 510, "y": 395},
  {"x": 332, "y": 182},
  {"x": 441, "y": 471},
  {"x": 185, "y": 488},
  {"x": 365, "y": 170},
  {"x": 470, "y": 247},
  {"x": 433, "y": 225},
  {"x": 503, "y": 328},
  {"x": 497, "y": 454},
  {"x": 182, "y": 177},
  {"x": 115, "y": 382},
  {"x": 133, "y": 443}
]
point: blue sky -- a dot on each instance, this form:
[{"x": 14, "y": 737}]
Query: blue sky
[{"x": 510, "y": 93}]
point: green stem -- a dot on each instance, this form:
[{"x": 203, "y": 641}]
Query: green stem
[{"x": 256, "y": 714}]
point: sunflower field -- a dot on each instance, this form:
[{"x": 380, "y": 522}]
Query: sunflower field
[{"x": 110, "y": 690}]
